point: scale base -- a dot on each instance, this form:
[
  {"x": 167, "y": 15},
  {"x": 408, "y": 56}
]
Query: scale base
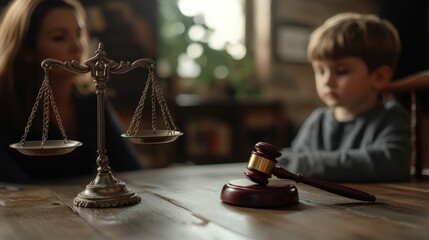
[
  {"x": 245, "y": 193},
  {"x": 105, "y": 191}
]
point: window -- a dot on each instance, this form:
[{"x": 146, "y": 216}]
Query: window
[{"x": 202, "y": 43}]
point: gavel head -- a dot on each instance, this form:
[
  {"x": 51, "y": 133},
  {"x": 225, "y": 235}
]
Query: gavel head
[{"x": 262, "y": 163}]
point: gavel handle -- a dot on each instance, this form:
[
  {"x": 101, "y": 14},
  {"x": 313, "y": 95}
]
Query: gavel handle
[{"x": 327, "y": 186}]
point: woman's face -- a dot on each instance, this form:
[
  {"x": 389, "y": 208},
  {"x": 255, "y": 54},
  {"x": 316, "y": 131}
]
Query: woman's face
[{"x": 60, "y": 36}]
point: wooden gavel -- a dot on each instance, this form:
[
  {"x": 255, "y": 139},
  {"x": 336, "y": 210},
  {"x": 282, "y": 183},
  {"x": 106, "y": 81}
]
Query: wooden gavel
[{"x": 262, "y": 165}]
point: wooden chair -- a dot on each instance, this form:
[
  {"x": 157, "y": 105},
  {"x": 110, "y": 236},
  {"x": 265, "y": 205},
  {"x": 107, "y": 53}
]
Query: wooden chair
[{"x": 412, "y": 91}]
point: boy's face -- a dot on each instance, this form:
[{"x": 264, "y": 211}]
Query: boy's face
[{"x": 345, "y": 83}]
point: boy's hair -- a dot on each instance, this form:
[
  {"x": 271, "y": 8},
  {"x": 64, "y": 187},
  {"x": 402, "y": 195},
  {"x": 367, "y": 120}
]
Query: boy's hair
[{"x": 374, "y": 40}]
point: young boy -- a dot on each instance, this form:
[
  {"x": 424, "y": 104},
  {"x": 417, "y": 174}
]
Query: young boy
[{"x": 356, "y": 137}]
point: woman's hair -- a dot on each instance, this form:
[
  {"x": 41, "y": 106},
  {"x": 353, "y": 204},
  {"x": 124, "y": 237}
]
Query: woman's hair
[
  {"x": 21, "y": 77},
  {"x": 374, "y": 40}
]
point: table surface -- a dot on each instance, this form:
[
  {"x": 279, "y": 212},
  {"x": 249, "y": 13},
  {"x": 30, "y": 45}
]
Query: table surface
[{"x": 184, "y": 203}]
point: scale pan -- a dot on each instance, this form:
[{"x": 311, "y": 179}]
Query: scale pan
[
  {"x": 50, "y": 147},
  {"x": 151, "y": 137}
]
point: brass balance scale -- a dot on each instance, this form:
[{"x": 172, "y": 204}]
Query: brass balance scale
[{"x": 105, "y": 190}]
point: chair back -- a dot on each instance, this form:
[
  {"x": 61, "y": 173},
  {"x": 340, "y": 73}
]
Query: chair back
[{"x": 412, "y": 92}]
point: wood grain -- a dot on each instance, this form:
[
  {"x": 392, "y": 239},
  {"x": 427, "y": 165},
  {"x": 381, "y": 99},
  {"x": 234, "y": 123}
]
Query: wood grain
[
  {"x": 35, "y": 212},
  {"x": 184, "y": 203}
]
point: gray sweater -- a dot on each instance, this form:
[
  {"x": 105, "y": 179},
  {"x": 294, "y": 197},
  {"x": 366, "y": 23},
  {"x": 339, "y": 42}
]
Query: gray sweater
[{"x": 375, "y": 146}]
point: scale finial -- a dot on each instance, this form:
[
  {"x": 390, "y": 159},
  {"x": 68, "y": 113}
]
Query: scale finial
[{"x": 101, "y": 46}]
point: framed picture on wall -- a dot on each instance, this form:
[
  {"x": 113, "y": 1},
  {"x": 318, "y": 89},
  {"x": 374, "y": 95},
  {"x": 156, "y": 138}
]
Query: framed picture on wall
[{"x": 290, "y": 42}]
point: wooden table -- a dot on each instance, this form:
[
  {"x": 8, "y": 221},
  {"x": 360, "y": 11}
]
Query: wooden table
[{"x": 184, "y": 203}]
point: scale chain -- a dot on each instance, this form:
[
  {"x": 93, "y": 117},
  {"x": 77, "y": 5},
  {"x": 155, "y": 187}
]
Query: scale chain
[
  {"x": 156, "y": 98},
  {"x": 33, "y": 111},
  {"x": 57, "y": 115},
  {"x": 164, "y": 109},
  {"x": 45, "y": 128},
  {"x": 48, "y": 100},
  {"x": 153, "y": 103},
  {"x": 135, "y": 122}
]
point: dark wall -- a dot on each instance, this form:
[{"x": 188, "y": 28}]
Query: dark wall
[{"x": 411, "y": 20}]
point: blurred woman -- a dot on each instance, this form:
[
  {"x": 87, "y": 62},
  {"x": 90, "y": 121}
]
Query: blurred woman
[{"x": 31, "y": 31}]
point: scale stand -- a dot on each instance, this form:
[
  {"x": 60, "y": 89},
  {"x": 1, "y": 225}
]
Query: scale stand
[{"x": 105, "y": 190}]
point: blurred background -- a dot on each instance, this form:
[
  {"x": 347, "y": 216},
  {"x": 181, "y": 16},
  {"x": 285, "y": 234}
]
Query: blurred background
[{"x": 233, "y": 72}]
